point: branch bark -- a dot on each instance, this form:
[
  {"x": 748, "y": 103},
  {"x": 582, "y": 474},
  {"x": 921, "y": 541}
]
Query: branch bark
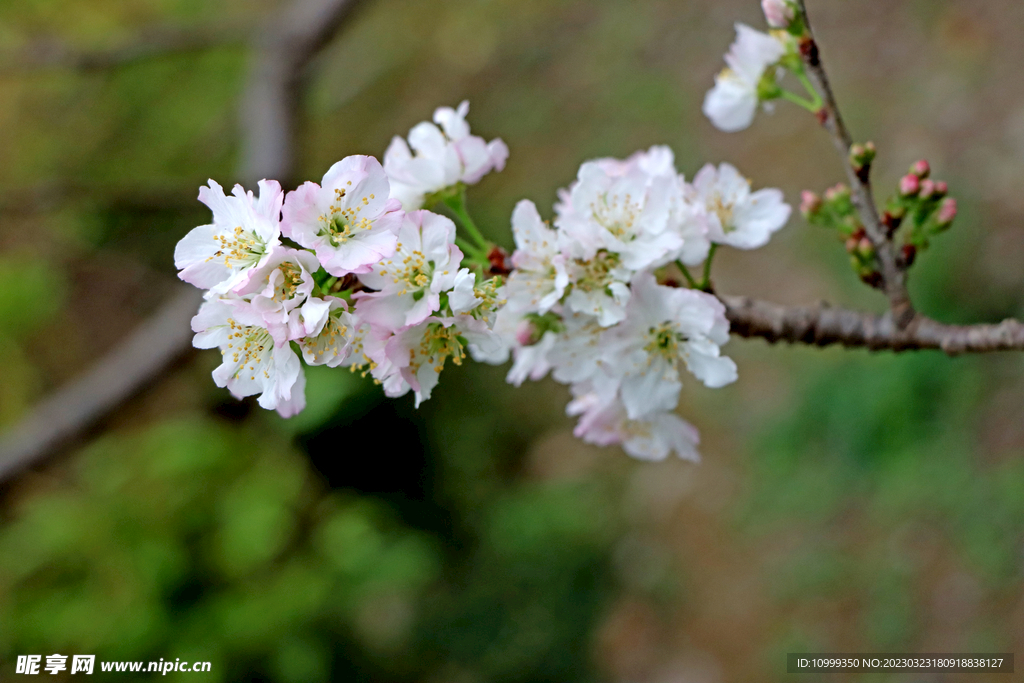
[
  {"x": 823, "y": 325},
  {"x": 281, "y": 51},
  {"x": 151, "y": 43},
  {"x": 893, "y": 276}
]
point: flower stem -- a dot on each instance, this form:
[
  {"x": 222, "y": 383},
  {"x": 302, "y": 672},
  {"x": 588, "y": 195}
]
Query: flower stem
[
  {"x": 809, "y": 105},
  {"x": 686, "y": 273},
  {"x": 811, "y": 90},
  {"x": 705, "y": 283},
  {"x": 474, "y": 253},
  {"x": 457, "y": 204}
]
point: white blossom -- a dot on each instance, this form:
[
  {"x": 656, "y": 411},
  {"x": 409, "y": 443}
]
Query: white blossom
[
  {"x": 736, "y": 216},
  {"x": 626, "y": 214},
  {"x": 732, "y": 103},
  {"x": 410, "y": 281},
  {"x": 252, "y": 362},
  {"x": 328, "y": 332},
  {"x": 277, "y": 290},
  {"x": 663, "y": 327},
  {"x": 604, "y": 422},
  {"x": 540, "y": 278},
  {"x": 436, "y": 158},
  {"x": 245, "y": 231}
]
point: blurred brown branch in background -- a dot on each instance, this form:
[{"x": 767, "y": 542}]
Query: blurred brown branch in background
[
  {"x": 281, "y": 50},
  {"x": 157, "y": 41}
]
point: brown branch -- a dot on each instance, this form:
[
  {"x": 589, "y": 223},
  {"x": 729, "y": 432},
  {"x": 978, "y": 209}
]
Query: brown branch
[
  {"x": 130, "y": 365},
  {"x": 282, "y": 50},
  {"x": 893, "y": 276},
  {"x": 153, "y": 42},
  {"x": 823, "y": 325}
]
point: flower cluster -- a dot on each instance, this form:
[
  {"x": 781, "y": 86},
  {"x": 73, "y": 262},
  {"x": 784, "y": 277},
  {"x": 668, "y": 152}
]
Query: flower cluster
[
  {"x": 352, "y": 272},
  {"x": 339, "y": 273},
  {"x": 584, "y": 302}
]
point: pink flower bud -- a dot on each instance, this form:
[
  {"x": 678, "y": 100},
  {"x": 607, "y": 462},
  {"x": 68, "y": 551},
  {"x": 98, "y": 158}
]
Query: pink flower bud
[
  {"x": 920, "y": 168},
  {"x": 927, "y": 189},
  {"x": 778, "y": 13},
  {"x": 835, "y": 192},
  {"x": 865, "y": 248},
  {"x": 810, "y": 203},
  {"x": 910, "y": 185},
  {"x": 526, "y": 333},
  {"x": 941, "y": 188},
  {"x": 946, "y": 213}
]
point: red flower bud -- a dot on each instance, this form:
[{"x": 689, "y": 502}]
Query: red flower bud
[
  {"x": 927, "y": 189},
  {"x": 909, "y": 253}
]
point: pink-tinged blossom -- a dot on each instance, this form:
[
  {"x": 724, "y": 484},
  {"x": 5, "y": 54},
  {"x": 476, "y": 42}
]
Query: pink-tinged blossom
[
  {"x": 778, "y": 13},
  {"x": 418, "y": 354},
  {"x": 245, "y": 231},
  {"x": 329, "y": 329},
  {"x": 663, "y": 327},
  {"x": 367, "y": 353},
  {"x": 252, "y": 362},
  {"x": 439, "y": 155},
  {"x": 732, "y": 103},
  {"x": 348, "y": 220},
  {"x": 277, "y": 290},
  {"x": 411, "y": 281},
  {"x": 531, "y": 360},
  {"x": 604, "y": 422},
  {"x": 736, "y": 216},
  {"x": 540, "y": 278}
]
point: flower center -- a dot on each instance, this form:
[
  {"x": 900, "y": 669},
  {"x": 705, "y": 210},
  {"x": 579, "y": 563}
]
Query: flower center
[
  {"x": 342, "y": 224},
  {"x": 723, "y": 211},
  {"x": 238, "y": 248},
  {"x": 439, "y": 343},
  {"x": 596, "y": 274},
  {"x": 250, "y": 348},
  {"x": 412, "y": 272},
  {"x": 291, "y": 278},
  {"x": 329, "y": 340},
  {"x": 615, "y": 216},
  {"x": 664, "y": 341}
]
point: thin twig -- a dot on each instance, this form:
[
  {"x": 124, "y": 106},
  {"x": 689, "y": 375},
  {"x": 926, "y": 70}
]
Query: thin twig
[
  {"x": 893, "y": 277},
  {"x": 823, "y": 325},
  {"x": 281, "y": 52}
]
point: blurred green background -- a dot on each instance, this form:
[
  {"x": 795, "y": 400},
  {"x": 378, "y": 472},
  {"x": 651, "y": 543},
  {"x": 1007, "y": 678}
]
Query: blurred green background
[{"x": 847, "y": 501}]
